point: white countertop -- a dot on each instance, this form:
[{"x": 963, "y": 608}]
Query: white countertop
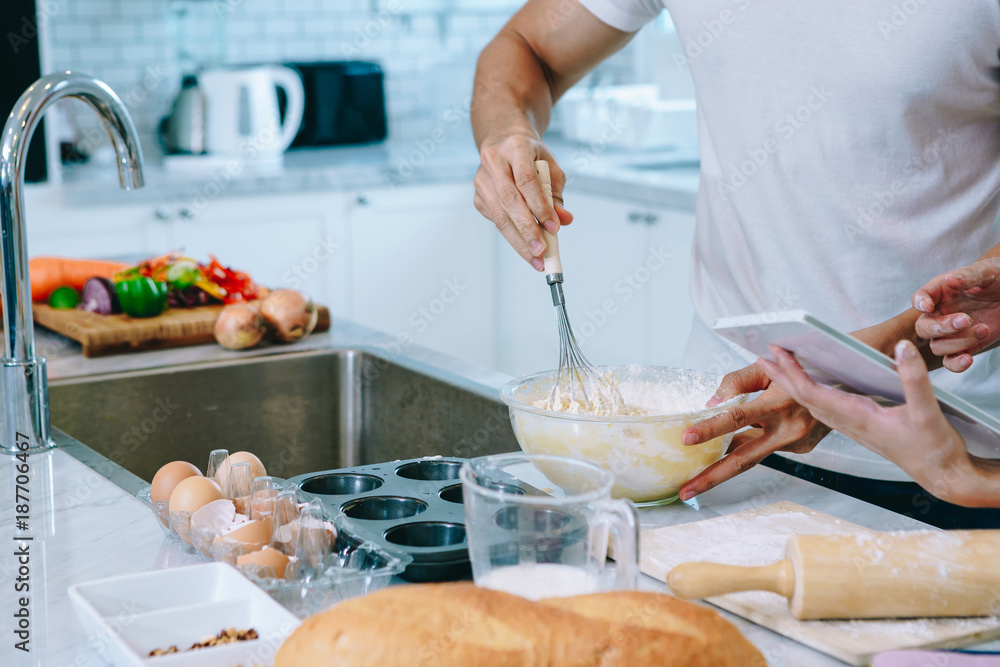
[
  {"x": 590, "y": 168},
  {"x": 85, "y": 527}
]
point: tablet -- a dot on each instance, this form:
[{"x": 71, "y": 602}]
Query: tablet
[{"x": 834, "y": 358}]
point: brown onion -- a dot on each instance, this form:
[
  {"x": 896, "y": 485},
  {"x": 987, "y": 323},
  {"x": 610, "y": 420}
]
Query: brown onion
[
  {"x": 239, "y": 327},
  {"x": 290, "y": 315}
]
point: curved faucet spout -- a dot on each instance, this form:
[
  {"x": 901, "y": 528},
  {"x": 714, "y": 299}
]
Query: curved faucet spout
[
  {"x": 24, "y": 415},
  {"x": 19, "y": 338}
]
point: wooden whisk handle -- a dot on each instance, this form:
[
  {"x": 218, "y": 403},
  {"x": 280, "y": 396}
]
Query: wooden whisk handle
[{"x": 553, "y": 265}]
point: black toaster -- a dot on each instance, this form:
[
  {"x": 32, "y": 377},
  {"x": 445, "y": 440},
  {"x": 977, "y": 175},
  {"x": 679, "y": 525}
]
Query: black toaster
[{"x": 344, "y": 103}]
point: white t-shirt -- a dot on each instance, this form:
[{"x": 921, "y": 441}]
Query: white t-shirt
[{"x": 850, "y": 151}]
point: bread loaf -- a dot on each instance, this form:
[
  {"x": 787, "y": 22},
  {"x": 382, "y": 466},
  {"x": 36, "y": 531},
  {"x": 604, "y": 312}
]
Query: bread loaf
[{"x": 458, "y": 625}]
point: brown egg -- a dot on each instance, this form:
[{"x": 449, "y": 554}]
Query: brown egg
[
  {"x": 168, "y": 476},
  {"x": 256, "y": 468},
  {"x": 254, "y": 535},
  {"x": 193, "y": 493},
  {"x": 266, "y": 557}
]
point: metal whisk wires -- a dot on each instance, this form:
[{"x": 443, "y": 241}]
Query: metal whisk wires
[{"x": 577, "y": 378}]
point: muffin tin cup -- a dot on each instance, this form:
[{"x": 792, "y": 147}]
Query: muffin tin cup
[{"x": 412, "y": 507}]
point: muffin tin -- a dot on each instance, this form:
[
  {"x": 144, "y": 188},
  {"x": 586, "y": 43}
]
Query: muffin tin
[{"x": 413, "y": 506}]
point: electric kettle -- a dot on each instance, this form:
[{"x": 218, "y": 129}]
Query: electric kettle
[{"x": 241, "y": 110}]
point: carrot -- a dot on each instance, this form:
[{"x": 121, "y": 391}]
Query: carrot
[{"x": 48, "y": 273}]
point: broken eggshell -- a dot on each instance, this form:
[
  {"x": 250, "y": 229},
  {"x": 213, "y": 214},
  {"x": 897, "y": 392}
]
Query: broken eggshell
[{"x": 266, "y": 563}]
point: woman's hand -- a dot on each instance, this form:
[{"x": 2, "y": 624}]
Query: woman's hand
[
  {"x": 509, "y": 193},
  {"x": 915, "y": 436},
  {"x": 779, "y": 424},
  {"x": 961, "y": 312}
]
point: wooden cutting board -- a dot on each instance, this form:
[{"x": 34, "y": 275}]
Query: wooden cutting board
[
  {"x": 113, "y": 334},
  {"x": 757, "y": 537}
]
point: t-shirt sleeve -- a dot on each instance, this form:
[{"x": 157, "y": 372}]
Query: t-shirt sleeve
[{"x": 625, "y": 15}]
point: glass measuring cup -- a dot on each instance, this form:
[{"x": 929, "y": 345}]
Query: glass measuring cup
[{"x": 539, "y": 525}]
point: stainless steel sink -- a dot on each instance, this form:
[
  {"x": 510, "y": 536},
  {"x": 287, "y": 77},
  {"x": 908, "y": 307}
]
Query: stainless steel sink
[{"x": 298, "y": 412}]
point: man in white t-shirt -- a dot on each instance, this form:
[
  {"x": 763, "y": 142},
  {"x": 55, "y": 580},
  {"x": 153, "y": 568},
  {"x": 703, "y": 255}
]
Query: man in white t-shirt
[{"x": 849, "y": 152}]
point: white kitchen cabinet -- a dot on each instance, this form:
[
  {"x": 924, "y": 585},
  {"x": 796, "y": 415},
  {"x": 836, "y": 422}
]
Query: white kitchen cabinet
[
  {"x": 423, "y": 269},
  {"x": 626, "y": 285},
  {"x": 294, "y": 240},
  {"x": 119, "y": 230},
  {"x": 671, "y": 312}
]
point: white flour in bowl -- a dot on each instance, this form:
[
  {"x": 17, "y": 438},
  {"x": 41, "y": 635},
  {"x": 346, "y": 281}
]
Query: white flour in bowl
[{"x": 640, "y": 396}]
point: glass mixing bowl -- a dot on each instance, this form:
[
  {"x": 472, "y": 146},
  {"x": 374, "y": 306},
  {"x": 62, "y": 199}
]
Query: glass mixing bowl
[{"x": 644, "y": 452}]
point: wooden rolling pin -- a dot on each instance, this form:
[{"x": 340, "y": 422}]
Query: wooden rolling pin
[{"x": 869, "y": 575}]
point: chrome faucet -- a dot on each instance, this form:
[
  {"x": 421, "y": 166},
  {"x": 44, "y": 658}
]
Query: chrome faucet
[{"x": 24, "y": 419}]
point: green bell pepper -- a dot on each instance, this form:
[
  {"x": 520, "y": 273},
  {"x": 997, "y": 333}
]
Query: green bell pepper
[{"x": 142, "y": 297}]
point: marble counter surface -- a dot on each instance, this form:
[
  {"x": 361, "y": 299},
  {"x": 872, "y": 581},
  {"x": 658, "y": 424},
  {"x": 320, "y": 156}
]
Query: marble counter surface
[
  {"x": 592, "y": 168},
  {"x": 86, "y": 527}
]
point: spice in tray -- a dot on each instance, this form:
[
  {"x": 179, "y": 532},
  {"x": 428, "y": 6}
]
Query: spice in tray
[{"x": 226, "y": 636}]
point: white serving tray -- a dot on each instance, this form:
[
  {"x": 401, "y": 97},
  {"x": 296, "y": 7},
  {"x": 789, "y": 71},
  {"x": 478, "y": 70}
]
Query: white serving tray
[
  {"x": 834, "y": 358},
  {"x": 126, "y": 617}
]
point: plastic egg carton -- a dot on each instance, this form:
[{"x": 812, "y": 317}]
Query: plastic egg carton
[
  {"x": 129, "y": 616},
  {"x": 363, "y": 566}
]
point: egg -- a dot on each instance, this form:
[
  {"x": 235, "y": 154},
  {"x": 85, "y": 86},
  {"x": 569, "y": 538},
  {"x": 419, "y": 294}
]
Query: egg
[
  {"x": 256, "y": 468},
  {"x": 168, "y": 476},
  {"x": 193, "y": 493},
  {"x": 266, "y": 557},
  {"x": 254, "y": 535}
]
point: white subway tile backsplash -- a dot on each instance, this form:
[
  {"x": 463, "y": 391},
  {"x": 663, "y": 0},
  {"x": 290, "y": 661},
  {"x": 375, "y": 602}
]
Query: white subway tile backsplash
[
  {"x": 118, "y": 31},
  {"x": 428, "y": 54}
]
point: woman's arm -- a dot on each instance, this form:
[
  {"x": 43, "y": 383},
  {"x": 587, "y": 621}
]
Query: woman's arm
[{"x": 915, "y": 436}]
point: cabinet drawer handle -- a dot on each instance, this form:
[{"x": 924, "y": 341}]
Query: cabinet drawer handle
[
  {"x": 162, "y": 213},
  {"x": 634, "y": 216},
  {"x": 364, "y": 199},
  {"x": 652, "y": 218},
  {"x": 185, "y": 212}
]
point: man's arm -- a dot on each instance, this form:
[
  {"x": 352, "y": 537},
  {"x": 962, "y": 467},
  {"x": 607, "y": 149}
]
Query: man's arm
[{"x": 545, "y": 48}]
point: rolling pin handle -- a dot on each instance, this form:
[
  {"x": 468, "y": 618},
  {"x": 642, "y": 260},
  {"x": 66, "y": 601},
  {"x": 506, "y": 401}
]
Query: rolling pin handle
[{"x": 694, "y": 581}]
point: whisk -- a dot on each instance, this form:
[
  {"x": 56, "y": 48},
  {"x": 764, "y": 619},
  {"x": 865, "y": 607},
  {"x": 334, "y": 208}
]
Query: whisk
[{"x": 579, "y": 379}]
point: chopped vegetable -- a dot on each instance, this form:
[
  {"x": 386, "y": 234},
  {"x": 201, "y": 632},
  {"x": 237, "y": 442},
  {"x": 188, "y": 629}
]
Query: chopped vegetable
[
  {"x": 142, "y": 296},
  {"x": 189, "y": 297},
  {"x": 99, "y": 297},
  {"x": 238, "y": 285},
  {"x": 49, "y": 273},
  {"x": 64, "y": 298},
  {"x": 183, "y": 273}
]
